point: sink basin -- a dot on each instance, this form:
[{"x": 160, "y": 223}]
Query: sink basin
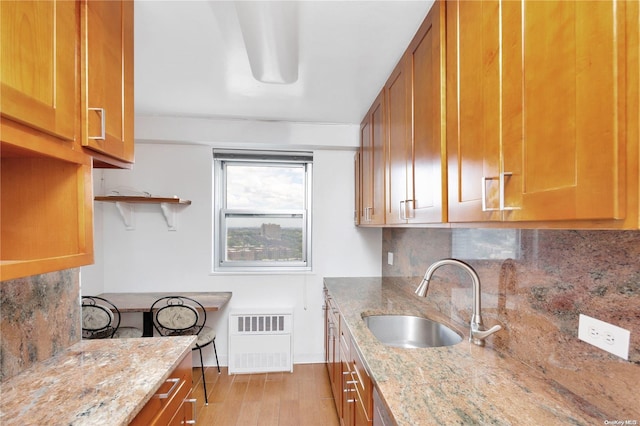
[{"x": 406, "y": 331}]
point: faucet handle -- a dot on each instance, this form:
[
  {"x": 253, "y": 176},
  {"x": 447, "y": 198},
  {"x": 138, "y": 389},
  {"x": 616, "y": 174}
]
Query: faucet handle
[{"x": 477, "y": 336}]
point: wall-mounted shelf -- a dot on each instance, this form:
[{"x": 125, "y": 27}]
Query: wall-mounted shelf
[{"x": 125, "y": 205}]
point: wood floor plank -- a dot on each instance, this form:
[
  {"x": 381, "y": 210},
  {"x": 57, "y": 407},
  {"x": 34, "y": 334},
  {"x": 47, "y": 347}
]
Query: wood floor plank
[
  {"x": 249, "y": 413},
  {"x": 269, "y": 413},
  {"x": 290, "y": 414},
  {"x": 255, "y": 388}
]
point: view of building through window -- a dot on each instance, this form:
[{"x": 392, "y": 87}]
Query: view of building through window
[{"x": 266, "y": 241}]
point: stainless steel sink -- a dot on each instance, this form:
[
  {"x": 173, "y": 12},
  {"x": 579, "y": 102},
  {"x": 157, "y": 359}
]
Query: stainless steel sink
[{"x": 406, "y": 331}]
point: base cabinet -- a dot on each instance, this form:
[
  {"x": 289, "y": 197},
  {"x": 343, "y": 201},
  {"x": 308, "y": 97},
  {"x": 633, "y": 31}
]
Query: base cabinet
[
  {"x": 171, "y": 404},
  {"x": 350, "y": 382}
]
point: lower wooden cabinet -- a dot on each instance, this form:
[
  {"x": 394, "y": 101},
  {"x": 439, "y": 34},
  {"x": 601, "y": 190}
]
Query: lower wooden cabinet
[
  {"x": 350, "y": 383},
  {"x": 171, "y": 404},
  {"x": 332, "y": 350}
]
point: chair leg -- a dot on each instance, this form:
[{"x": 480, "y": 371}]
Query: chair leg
[
  {"x": 204, "y": 381},
  {"x": 215, "y": 351}
]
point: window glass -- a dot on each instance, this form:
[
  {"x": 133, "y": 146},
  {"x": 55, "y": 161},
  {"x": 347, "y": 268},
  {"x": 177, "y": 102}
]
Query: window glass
[
  {"x": 265, "y": 187},
  {"x": 262, "y": 211}
]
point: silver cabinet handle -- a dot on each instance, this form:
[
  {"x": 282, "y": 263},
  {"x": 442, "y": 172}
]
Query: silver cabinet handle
[
  {"x": 502, "y": 191},
  {"x": 403, "y": 206},
  {"x": 410, "y": 208},
  {"x": 191, "y": 422},
  {"x": 175, "y": 382},
  {"x": 103, "y": 122},
  {"x": 501, "y": 183},
  {"x": 484, "y": 194}
]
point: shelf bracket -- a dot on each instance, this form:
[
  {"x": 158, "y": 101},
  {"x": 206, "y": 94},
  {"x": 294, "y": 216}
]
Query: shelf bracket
[
  {"x": 171, "y": 215},
  {"x": 127, "y": 212}
]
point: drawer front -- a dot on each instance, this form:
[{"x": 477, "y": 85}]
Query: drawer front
[
  {"x": 363, "y": 385},
  {"x": 169, "y": 399}
]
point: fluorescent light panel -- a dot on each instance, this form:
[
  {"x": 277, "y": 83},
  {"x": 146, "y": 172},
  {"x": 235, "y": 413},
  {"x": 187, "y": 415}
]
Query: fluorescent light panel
[{"x": 270, "y": 33}]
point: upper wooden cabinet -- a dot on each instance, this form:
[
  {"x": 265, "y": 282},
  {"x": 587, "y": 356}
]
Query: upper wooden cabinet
[
  {"x": 57, "y": 60},
  {"x": 536, "y": 110},
  {"x": 372, "y": 165},
  {"x": 107, "y": 62},
  {"x": 416, "y": 147},
  {"x": 46, "y": 206},
  {"x": 38, "y": 80},
  {"x": 399, "y": 143}
]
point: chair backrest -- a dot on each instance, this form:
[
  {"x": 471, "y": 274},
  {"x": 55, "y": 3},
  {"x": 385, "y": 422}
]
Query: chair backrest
[
  {"x": 178, "y": 315},
  {"x": 100, "y": 318}
]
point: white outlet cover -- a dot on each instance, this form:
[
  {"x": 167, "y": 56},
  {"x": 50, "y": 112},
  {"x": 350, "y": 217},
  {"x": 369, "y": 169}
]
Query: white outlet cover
[
  {"x": 605, "y": 336},
  {"x": 390, "y": 258}
]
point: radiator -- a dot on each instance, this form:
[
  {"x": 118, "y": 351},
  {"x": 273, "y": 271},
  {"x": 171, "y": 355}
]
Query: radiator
[{"x": 260, "y": 340}]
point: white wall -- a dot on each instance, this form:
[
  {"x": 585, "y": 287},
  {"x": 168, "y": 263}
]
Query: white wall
[{"x": 151, "y": 258}]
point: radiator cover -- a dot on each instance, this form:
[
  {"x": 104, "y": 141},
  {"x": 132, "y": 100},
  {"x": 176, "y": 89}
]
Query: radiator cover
[{"x": 260, "y": 340}]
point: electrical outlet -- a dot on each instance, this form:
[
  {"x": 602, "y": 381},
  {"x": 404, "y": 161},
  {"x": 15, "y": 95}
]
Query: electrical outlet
[
  {"x": 605, "y": 336},
  {"x": 390, "y": 258}
]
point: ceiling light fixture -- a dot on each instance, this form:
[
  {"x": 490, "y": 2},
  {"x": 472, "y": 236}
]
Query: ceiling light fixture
[{"x": 270, "y": 33}]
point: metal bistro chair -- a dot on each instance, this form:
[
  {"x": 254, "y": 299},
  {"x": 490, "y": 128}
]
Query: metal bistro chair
[
  {"x": 101, "y": 320},
  {"x": 180, "y": 316}
]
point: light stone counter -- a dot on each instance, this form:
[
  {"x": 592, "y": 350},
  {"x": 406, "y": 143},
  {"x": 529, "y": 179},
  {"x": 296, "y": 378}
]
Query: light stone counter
[
  {"x": 460, "y": 384},
  {"x": 94, "y": 382}
]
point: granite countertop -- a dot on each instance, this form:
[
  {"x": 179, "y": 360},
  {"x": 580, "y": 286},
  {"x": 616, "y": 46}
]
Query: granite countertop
[
  {"x": 93, "y": 382},
  {"x": 459, "y": 384}
]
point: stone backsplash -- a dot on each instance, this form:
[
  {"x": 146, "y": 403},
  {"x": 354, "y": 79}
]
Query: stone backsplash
[
  {"x": 535, "y": 283},
  {"x": 39, "y": 317}
]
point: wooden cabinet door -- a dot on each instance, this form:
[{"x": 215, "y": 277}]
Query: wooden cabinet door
[
  {"x": 473, "y": 109},
  {"x": 108, "y": 73},
  {"x": 426, "y": 168},
  {"x": 357, "y": 178},
  {"x": 38, "y": 78},
  {"x": 535, "y": 110},
  {"x": 563, "y": 110},
  {"x": 398, "y": 113},
  {"x": 372, "y": 164}
]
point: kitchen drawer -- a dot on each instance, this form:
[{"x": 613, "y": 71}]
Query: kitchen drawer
[
  {"x": 363, "y": 384},
  {"x": 169, "y": 400}
]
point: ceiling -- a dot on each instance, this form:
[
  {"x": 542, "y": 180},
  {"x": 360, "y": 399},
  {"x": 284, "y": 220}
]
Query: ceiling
[{"x": 190, "y": 60}]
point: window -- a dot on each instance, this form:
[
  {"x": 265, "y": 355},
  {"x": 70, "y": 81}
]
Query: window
[{"x": 262, "y": 219}]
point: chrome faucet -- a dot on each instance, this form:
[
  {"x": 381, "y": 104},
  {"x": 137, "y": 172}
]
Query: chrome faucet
[{"x": 478, "y": 332}]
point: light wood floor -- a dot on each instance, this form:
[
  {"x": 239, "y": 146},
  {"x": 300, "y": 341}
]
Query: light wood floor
[{"x": 274, "y": 399}]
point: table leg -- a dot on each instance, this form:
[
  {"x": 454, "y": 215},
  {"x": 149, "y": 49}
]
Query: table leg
[{"x": 147, "y": 324}]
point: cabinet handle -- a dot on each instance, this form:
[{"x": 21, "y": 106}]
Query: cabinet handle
[
  {"x": 502, "y": 190},
  {"x": 484, "y": 194},
  {"x": 410, "y": 210},
  {"x": 175, "y": 382},
  {"x": 501, "y": 182},
  {"x": 194, "y": 417},
  {"x": 103, "y": 121}
]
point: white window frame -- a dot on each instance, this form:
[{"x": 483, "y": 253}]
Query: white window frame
[{"x": 267, "y": 158}]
